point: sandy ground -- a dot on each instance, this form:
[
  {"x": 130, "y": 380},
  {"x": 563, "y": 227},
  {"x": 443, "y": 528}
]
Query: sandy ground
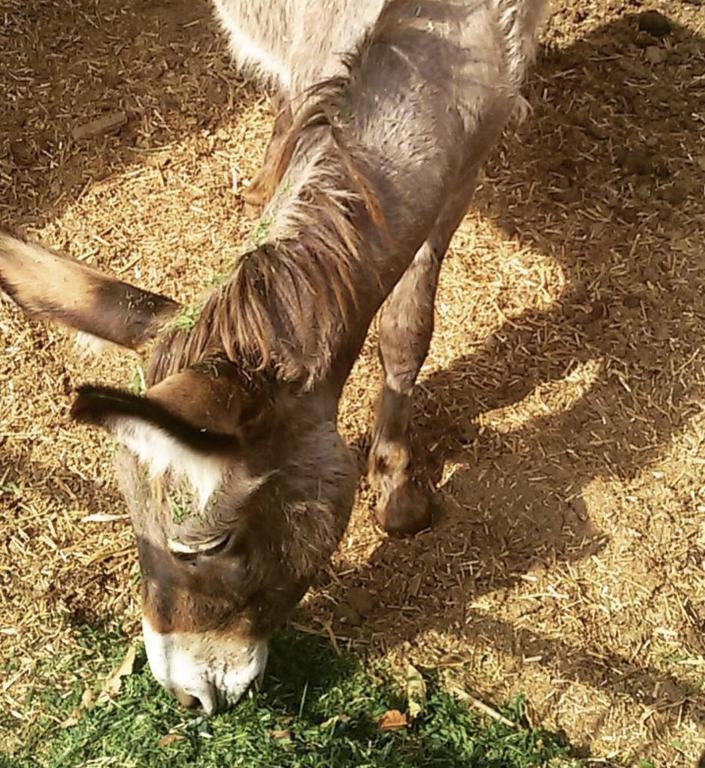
[{"x": 560, "y": 416}]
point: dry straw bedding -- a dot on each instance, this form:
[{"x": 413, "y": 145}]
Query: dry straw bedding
[{"x": 559, "y": 416}]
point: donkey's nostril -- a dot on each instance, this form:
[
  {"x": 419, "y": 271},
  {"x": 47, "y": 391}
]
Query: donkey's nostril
[
  {"x": 186, "y": 699},
  {"x": 206, "y": 699}
]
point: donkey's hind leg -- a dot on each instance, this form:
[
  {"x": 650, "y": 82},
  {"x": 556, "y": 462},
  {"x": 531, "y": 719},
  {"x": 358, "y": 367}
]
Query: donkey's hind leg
[
  {"x": 258, "y": 194},
  {"x": 405, "y": 330}
]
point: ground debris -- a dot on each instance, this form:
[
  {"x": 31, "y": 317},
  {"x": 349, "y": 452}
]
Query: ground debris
[
  {"x": 101, "y": 126},
  {"x": 170, "y": 738},
  {"x": 655, "y": 23},
  {"x": 415, "y": 691},
  {"x": 112, "y": 683},
  {"x": 392, "y": 720}
]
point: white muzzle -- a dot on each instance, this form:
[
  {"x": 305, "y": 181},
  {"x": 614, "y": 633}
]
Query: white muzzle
[{"x": 211, "y": 668}]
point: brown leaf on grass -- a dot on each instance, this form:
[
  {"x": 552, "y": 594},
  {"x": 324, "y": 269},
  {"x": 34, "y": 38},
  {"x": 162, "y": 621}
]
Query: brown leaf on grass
[
  {"x": 73, "y": 718},
  {"x": 109, "y": 689},
  {"x": 415, "y": 691},
  {"x": 281, "y": 734},
  {"x": 76, "y": 714},
  {"x": 392, "y": 720},
  {"x": 87, "y": 699},
  {"x": 111, "y": 684},
  {"x": 170, "y": 738}
]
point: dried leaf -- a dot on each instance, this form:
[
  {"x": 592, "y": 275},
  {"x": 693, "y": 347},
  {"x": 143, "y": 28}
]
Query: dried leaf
[
  {"x": 102, "y": 125},
  {"x": 415, "y": 691},
  {"x": 74, "y": 717},
  {"x": 76, "y": 714},
  {"x": 87, "y": 699},
  {"x": 111, "y": 684},
  {"x": 333, "y": 721},
  {"x": 281, "y": 734},
  {"x": 170, "y": 738},
  {"x": 392, "y": 720}
]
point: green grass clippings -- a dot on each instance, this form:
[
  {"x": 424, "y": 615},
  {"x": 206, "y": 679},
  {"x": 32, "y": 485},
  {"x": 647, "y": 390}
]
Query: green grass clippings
[{"x": 316, "y": 710}]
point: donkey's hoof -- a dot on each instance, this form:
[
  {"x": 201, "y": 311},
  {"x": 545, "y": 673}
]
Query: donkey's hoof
[{"x": 406, "y": 510}]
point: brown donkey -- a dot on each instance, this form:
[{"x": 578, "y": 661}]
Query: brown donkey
[{"x": 238, "y": 483}]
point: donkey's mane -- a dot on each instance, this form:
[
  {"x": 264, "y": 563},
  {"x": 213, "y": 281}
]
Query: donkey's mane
[{"x": 290, "y": 298}]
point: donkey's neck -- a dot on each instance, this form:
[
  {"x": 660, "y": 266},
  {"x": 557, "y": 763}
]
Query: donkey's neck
[
  {"x": 427, "y": 96},
  {"x": 304, "y": 296},
  {"x": 299, "y": 301}
]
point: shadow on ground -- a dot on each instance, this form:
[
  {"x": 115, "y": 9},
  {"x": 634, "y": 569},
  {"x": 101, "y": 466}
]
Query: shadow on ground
[
  {"x": 603, "y": 179},
  {"x": 159, "y": 67}
]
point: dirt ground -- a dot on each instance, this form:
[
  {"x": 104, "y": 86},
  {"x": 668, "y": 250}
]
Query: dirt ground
[{"x": 560, "y": 416}]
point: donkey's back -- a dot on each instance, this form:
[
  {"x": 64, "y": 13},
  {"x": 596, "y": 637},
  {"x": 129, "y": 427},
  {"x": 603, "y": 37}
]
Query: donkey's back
[{"x": 293, "y": 44}]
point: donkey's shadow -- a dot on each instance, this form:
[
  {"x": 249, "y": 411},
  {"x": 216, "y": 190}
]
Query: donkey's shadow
[{"x": 602, "y": 179}]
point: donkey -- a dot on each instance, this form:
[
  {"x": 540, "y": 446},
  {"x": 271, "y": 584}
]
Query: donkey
[{"x": 238, "y": 483}]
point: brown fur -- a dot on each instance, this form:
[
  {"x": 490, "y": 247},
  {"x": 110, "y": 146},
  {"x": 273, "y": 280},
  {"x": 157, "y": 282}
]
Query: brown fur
[{"x": 260, "y": 192}]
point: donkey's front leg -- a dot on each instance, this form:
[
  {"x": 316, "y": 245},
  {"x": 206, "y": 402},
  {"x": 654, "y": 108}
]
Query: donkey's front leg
[
  {"x": 258, "y": 194},
  {"x": 405, "y": 330}
]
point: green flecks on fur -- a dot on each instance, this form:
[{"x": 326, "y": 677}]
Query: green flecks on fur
[
  {"x": 261, "y": 230},
  {"x": 186, "y": 319},
  {"x": 217, "y": 279},
  {"x": 179, "y": 513},
  {"x": 182, "y": 503}
]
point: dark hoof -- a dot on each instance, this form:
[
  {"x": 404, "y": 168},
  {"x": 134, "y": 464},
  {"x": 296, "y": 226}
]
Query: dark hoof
[{"x": 404, "y": 511}]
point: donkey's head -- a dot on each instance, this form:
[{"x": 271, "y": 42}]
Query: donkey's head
[{"x": 239, "y": 488}]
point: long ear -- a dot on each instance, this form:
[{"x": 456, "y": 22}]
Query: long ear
[
  {"x": 53, "y": 287},
  {"x": 191, "y": 423}
]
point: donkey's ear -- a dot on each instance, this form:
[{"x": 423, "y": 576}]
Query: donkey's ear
[
  {"x": 191, "y": 423},
  {"x": 52, "y": 287}
]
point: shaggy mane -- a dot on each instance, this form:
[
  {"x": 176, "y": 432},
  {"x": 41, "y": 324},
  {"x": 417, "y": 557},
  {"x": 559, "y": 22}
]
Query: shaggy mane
[{"x": 291, "y": 298}]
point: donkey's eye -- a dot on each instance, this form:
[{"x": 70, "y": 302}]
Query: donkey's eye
[
  {"x": 217, "y": 547},
  {"x": 191, "y": 551}
]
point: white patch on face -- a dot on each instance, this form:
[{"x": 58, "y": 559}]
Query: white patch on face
[
  {"x": 159, "y": 451},
  {"x": 205, "y": 665}
]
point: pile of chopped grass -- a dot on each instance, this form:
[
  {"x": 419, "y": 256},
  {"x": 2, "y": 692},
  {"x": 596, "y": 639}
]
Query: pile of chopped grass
[{"x": 316, "y": 709}]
